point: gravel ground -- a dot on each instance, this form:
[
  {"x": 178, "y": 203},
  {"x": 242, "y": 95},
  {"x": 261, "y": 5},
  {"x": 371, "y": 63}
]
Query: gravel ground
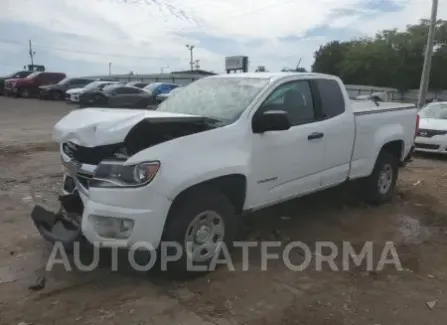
[{"x": 415, "y": 222}]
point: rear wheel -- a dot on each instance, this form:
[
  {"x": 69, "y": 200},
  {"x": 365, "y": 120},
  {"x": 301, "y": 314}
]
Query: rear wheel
[
  {"x": 379, "y": 186},
  {"x": 100, "y": 100}
]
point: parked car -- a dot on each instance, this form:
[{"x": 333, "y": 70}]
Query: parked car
[
  {"x": 72, "y": 95},
  {"x": 29, "y": 86},
  {"x": 157, "y": 88},
  {"x": 138, "y": 84},
  {"x": 120, "y": 96},
  {"x": 164, "y": 96},
  {"x": 89, "y": 94},
  {"x": 432, "y": 135},
  {"x": 15, "y": 75},
  {"x": 57, "y": 91},
  {"x": 223, "y": 146}
]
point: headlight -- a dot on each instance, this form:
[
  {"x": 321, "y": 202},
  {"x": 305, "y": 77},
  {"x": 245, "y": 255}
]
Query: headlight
[{"x": 114, "y": 174}]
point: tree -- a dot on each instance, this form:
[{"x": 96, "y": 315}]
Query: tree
[
  {"x": 261, "y": 68},
  {"x": 297, "y": 69},
  {"x": 391, "y": 58}
]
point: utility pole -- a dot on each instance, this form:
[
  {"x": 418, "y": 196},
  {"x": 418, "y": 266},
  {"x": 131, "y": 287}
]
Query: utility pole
[
  {"x": 191, "y": 62},
  {"x": 110, "y": 68},
  {"x": 31, "y": 53},
  {"x": 425, "y": 77}
]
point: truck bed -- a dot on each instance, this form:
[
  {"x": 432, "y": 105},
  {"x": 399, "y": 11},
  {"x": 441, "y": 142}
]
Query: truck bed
[
  {"x": 361, "y": 107},
  {"x": 392, "y": 121}
]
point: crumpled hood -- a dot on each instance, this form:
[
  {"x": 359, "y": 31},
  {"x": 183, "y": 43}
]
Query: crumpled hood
[
  {"x": 433, "y": 124},
  {"x": 91, "y": 127}
]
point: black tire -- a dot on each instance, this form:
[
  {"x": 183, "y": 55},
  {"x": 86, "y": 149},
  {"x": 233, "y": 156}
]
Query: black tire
[
  {"x": 182, "y": 215},
  {"x": 55, "y": 95},
  {"x": 101, "y": 101},
  {"x": 24, "y": 93},
  {"x": 373, "y": 190}
]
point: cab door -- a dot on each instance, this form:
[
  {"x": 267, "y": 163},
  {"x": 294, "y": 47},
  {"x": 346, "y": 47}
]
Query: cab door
[
  {"x": 339, "y": 126},
  {"x": 286, "y": 164}
]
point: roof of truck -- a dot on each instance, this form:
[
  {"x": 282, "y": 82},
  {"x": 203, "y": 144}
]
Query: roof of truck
[{"x": 271, "y": 75}]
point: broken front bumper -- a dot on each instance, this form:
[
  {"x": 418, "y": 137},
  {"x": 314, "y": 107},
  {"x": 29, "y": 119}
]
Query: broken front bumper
[{"x": 63, "y": 226}]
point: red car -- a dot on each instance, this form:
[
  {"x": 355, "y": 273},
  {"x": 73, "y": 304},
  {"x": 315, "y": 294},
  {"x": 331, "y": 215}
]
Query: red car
[{"x": 29, "y": 86}]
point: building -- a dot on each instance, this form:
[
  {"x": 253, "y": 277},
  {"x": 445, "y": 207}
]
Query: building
[{"x": 178, "y": 77}]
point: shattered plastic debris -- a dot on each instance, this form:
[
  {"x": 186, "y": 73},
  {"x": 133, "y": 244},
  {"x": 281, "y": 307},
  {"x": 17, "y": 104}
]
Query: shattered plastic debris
[{"x": 431, "y": 304}]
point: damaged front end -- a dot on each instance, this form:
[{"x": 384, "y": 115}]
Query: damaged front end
[{"x": 81, "y": 166}]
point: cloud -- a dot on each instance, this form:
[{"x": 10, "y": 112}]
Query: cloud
[{"x": 83, "y": 36}]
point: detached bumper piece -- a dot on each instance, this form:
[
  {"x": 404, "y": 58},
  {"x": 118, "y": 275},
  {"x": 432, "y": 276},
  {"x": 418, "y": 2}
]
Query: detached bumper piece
[{"x": 63, "y": 226}]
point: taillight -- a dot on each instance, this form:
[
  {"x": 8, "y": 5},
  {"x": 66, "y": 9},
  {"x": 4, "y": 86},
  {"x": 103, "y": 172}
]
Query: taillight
[{"x": 417, "y": 125}]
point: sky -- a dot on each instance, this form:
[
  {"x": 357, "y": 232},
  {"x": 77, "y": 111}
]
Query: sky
[{"x": 81, "y": 37}]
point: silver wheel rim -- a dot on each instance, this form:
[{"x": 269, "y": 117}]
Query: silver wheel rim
[
  {"x": 204, "y": 236},
  {"x": 385, "y": 179},
  {"x": 25, "y": 93}
]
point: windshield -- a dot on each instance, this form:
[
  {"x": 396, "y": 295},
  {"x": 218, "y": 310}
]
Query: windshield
[
  {"x": 151, "y": 87},
  {"x": 109, "y": 87},
  {"x": 63, "y": 81},
  {"x": 223, "y": 99},
  {"x": 434, "y": 110},
  {"x": 32, "y": 75},
  {"x": 92, "y": 85}
]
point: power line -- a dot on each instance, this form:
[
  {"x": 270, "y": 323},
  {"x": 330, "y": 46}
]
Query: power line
[{"x": 60, "y": 49}]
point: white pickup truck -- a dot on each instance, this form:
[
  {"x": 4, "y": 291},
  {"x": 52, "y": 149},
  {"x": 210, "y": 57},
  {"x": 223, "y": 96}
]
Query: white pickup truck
[{"x": 223, "y": 146}]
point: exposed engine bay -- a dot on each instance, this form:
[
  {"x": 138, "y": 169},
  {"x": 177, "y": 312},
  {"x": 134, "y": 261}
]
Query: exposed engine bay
[{"x": 146, "y": 133}]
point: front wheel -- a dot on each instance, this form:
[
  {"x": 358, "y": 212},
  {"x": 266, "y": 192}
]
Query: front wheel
[
  {"x": 25, "y": 93},
  {"x": 379, "y": 186},
  {"x": 201, "y": 225},
  {"x": 56, "y": 95}
]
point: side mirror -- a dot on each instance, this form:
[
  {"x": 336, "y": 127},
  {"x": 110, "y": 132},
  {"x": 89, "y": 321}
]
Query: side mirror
[{"x": 271, "y": 121}]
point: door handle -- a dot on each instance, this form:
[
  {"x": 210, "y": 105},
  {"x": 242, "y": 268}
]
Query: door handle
[{"x": 315, "y": 135}]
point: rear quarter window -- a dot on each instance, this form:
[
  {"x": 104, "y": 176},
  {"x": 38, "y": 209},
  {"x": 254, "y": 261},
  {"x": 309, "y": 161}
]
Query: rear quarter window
[{"x": 331, "y": 96}]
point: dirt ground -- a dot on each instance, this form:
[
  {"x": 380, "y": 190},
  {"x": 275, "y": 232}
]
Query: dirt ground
[{"x": 416, "y": 222}]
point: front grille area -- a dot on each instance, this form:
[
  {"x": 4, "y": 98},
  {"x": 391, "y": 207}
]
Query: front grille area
[
  {"x": 427, "y": 133},
  {"x": 89, "y": 155},
  {"x": 426, "y": 146},
  {"x": 84, "y": 179}
]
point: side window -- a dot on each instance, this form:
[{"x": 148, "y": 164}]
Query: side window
[
  {"x": 46, "y": 78},
  {"x": 133, "y": 90},
  {"x": 22, "y": 74},
  {"x": 295, "y": 98},
  {"x": 83, "y": 82},
  {"x": 332, "y": 100},
  {"x": 53, "y": 78},
  {"x": 126, "y": 91}
]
